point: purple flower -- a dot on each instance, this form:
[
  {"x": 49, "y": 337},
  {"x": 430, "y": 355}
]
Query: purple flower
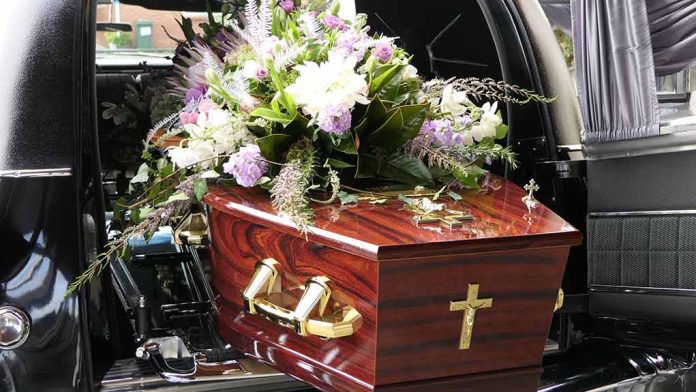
[
  {"x": 441, "y": 132},
  {"x": 221, "y": 37},
  {"x": 333, "y": 22},
  {"x": 195, "y": 94},
  {"x": 287, "y": 5},
  {"x": 246, "y": 165},
  {"x": 336, "y": 119},
  {"x": 383, "y": 51},
  {"x": 261, "y": 73}
]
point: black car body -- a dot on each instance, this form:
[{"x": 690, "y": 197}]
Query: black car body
[{"x": 52, "y": 201}]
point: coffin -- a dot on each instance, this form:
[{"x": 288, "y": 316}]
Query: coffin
[{"x": 370, "y": 299}]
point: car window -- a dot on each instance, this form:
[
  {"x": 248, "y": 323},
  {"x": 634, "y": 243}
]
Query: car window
[{"x": 154, "y": 32}]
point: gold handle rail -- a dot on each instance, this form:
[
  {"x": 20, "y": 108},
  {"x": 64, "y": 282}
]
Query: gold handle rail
[{"x": 314, "y": 314}]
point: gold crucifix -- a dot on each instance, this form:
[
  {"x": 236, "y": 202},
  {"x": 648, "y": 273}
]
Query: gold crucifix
[
  {"x": 448, "y": 218},
  {"x": 470, "y": 306}
]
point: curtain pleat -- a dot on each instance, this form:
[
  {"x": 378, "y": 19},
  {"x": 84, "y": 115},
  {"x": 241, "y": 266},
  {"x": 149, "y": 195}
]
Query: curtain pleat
[{"x": 615, "y": 70}]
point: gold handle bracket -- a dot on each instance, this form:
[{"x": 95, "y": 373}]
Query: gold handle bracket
[{"x": 315, "y": 313}]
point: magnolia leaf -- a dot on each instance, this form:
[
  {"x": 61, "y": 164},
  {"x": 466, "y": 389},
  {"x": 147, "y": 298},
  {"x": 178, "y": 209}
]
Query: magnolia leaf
[
  {"x": 385, "y": 134},
  {"x": 347, "y": 198},
  {"x": 339, "y": 164},
  {"x": 272, "y": 115},
  {"x": 454, "y": 196},
  {"x": 273, "y": 146},
  {"x": 200, "y": 188},
  {"x": 374, "y": 117},
  {"x": 345, "y": 144},
  {"x": 406, "y": 169},
  {"x": 403, "y": 125},
  {"x": 367, "y": 166},
  {"x": 382, "y": 76}
]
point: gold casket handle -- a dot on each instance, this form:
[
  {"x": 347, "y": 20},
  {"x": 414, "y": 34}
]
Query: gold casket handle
[{"x": 310, "y": 316}]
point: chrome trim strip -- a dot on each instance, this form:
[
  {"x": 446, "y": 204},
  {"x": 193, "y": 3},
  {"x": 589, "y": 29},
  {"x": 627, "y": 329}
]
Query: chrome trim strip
[
  {"x": 642, "y": 290},
  {"x": 641, "y": 213},
  {"x": 34, "y": 173}
]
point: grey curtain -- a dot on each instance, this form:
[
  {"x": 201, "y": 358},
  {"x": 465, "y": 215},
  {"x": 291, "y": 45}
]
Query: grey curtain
[
  {"x": 615, "y": 70},
  {"x": 559, "y": 15},
  {"x": 673, "y": 31}
]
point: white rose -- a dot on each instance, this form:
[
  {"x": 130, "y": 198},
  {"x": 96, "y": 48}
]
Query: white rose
[
  {"x": 453, "y": 101},
  {"x": 410, "y": 72}
]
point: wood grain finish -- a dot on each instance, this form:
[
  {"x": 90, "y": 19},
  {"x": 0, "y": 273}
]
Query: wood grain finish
[{"x": 401, "y": 278}]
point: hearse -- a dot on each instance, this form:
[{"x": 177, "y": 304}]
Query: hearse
[{"x": 613, "y": 155}]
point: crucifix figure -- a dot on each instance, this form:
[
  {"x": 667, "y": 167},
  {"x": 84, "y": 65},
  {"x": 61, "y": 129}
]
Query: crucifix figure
[
  {"x": 470, "y": 306},
  {"x": 529, "y": 200}
]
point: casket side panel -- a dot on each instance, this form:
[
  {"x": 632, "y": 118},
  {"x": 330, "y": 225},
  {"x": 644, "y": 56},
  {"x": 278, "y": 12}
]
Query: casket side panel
[
  {"x": 416, "y": 321},
  {"x": 237, "y": 246}
]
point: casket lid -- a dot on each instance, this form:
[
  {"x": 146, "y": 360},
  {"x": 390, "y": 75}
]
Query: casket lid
[{"x": 501, "y": 221}]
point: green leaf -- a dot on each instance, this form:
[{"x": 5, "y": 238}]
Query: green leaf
[
  {"x": 403, "y": 125},
  {"x": 374, "y": 117},
  {"x": 345, "y": 144},
  {"x": 367, "y": 166},
  {"x": 283, "y": 98},
  {"x": 382, "y": 76},
  {"x": 406, "y": 199},
  {"x": 272, "y": 146},
  {"x": 200, "y": 188},
  {"x": 143, "y": 174},
  {"x": 454, "y": 196},
  {"x": 500, "y": 131},
  {"x": 468, "y": 176},
  {"x": 175, "y": 197},
  {"x": 347, "y": 198},
  {"x": 407, "y": 170},
  {"x": 339, "y": 164},
  {"x": 164, "y": 167},
  {"x": 272, "y": 115},
  {"x": 385, "y": 134},
  {"x": 144, "y": 212}
]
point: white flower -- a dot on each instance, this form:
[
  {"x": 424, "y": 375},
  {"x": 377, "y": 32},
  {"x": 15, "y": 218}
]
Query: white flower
[
  {"x": 453, "y": 101},
  {"x": 182, "y": 156},
  {"x": 333, "y": 83},
  {"x": 204, "y": 151},
  {"x": 489, "y": 117},
  {"x": 410, "y": 72},
  {"x": 467, "y": 138},
  {"x": 488, "y": 122},
  {"x": 217, "y": 117},
  {"x": 250, "y": 68}
]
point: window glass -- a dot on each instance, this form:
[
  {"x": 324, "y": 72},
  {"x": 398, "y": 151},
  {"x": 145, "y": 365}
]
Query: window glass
[{"x": 152, "y": 31}]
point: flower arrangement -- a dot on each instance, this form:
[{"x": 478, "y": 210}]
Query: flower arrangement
[{"x": 301, "y": 102}]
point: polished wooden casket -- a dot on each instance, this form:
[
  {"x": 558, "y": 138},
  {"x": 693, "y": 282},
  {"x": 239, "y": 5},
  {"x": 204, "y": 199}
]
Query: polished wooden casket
[{"x": 371, "y": 299}]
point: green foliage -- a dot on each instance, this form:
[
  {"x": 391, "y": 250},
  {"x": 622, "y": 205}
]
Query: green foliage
[{"x": 118, "y": 39}]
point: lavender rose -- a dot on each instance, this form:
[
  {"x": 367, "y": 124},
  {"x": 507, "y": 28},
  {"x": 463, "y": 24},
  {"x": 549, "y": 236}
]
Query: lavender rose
[
  {"x": 287, "y": 5},
  {"x": 383, "y": 51},
  {"x": 247, "y": 165}
]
